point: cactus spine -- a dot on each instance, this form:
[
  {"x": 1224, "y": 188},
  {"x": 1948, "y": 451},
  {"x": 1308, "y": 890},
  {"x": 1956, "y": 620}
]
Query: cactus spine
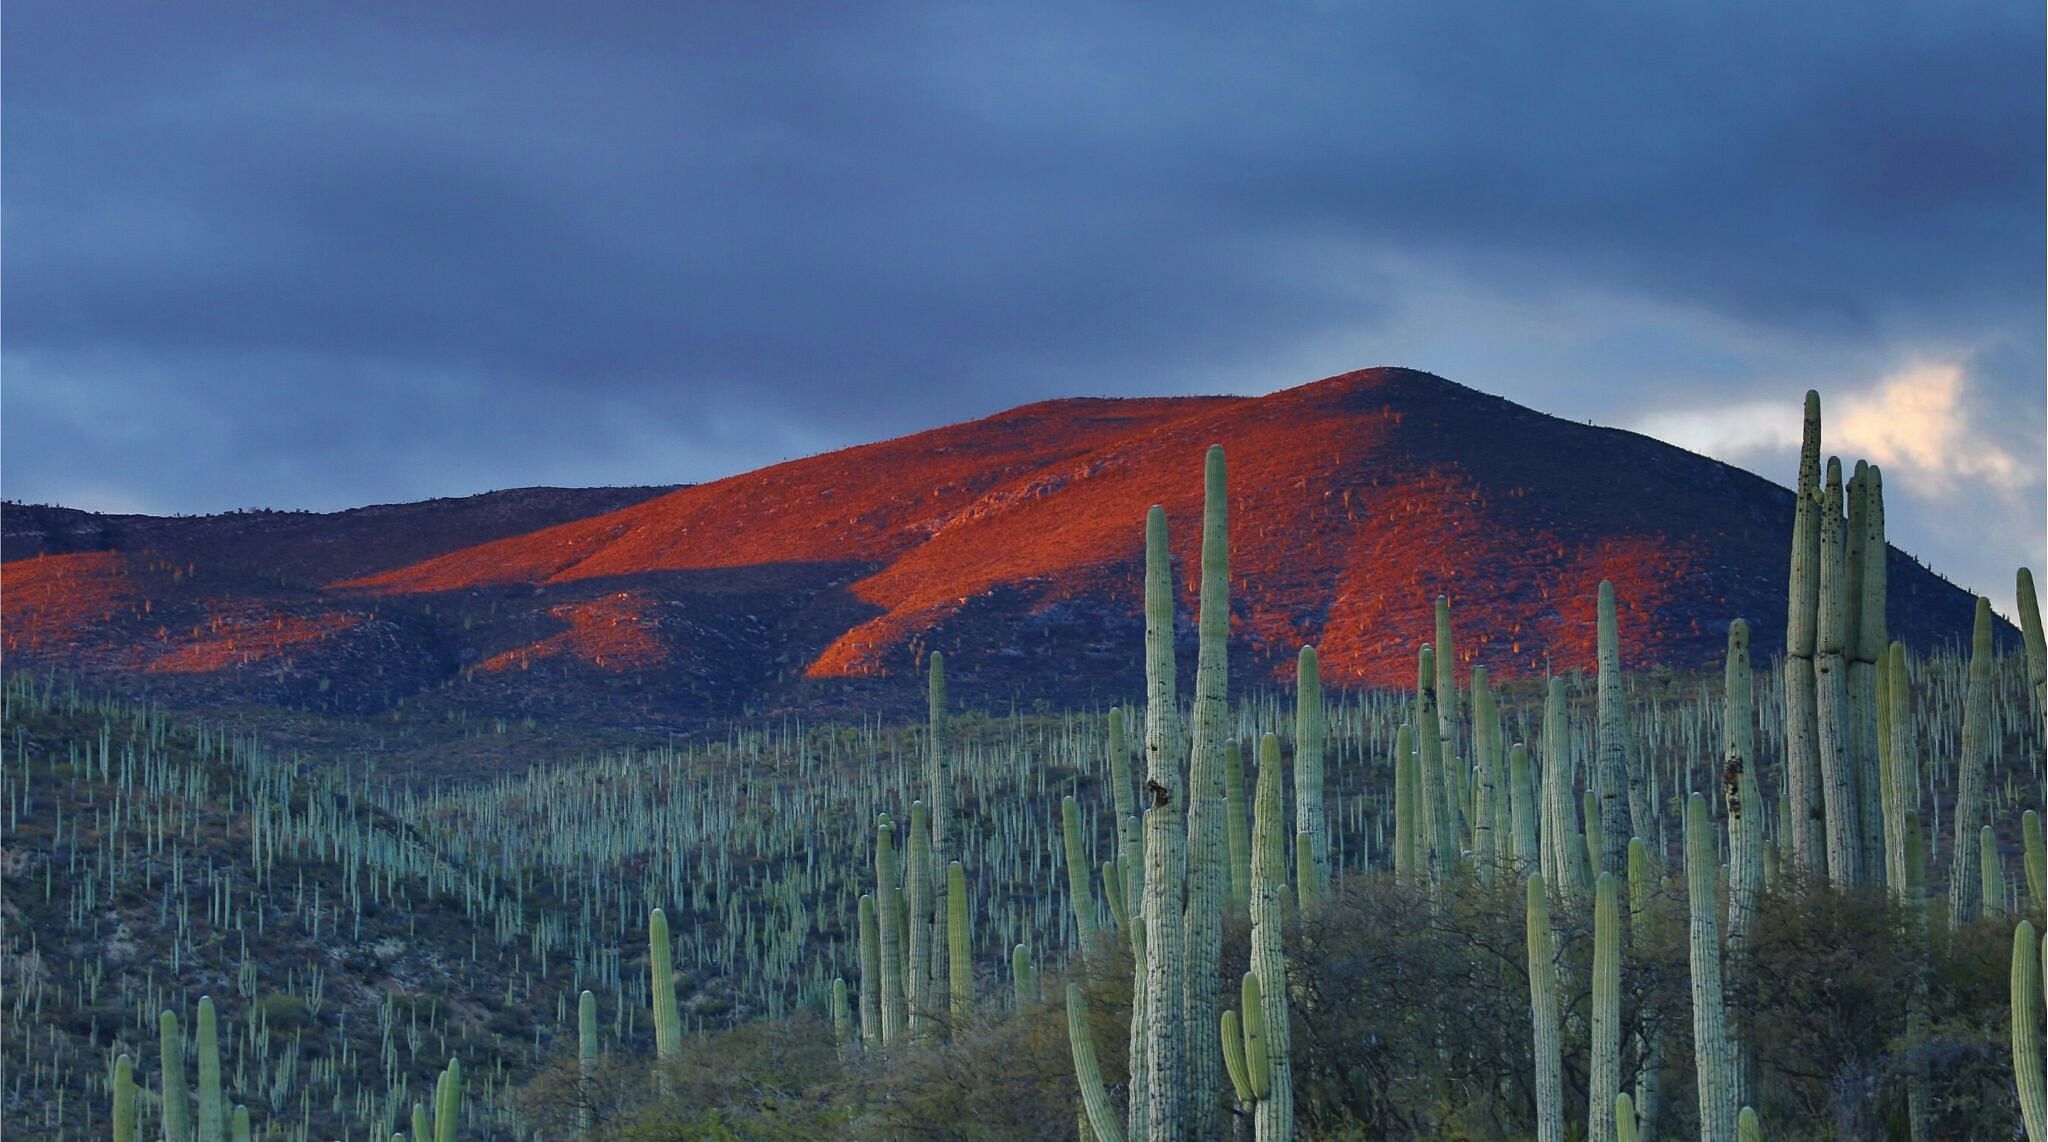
[
  {"x": 1162, "y": 1045},
  {"x": 1610, "y": 757},
  {"x": 1274, "y": 1115},
  {"x": 1709, "y": 1018},
  {"x": 213, "y": 1112},
  {"x": 1964, "y": 884},
  {"x": 1543, "y": 1016},
  {"x": 176, "y": 1111},
  {"x": 124, "y": 1099},
  {"x": 661, "y": 975},
  {"x": 1606, "y": 1075},
  {"x": 1308, "y": 776},
  {"x": 1802, "y": 741},
  {"x": 2027, "y": 1064}
]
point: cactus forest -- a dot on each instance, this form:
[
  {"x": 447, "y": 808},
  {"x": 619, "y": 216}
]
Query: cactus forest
[{"x": 1794, "y": 898}]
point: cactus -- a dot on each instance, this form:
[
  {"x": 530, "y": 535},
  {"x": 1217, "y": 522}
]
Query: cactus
[
  {"x": 1077, "y": 875},
  {"x": 1100, "y": 1115},
  {"x": 2035, "y": 642},
  {"x": 1485, "y": 773},
  {"x": 1439, "y": 838},
  {"x": 2027, "y": 1064},
  {"x": 1964, "y": 879},
  {"x": 421, "y": 1131},
  {"x": 1868, "y": 642},
  {"x": 1408, "y": 845},
  {"x": 1163, "y": 1043},
  {"x": 1745, "y": 824},
  {"x": 1308, "y": 776},
  {"x": 1649, "y": 1049},
  {"x": 1244, "y": 1047},
  {"x": 889, "y": 914},
  {"x": 1543, "y": 1015},
  {"x": 1523, "y": 810},
  {"x": 959, "y": 945},
  {"x": 661, "y": 976},
  {"x": 124, "y": 1099},
  {"x": 586, "y": 1048},
  {"x": 1902, "y": 777},
  {"x": 1023, "y": 977},
  {"x": 870, "y": 974},
  {"x": 917, "y": 920},
  {"x": 1208, "y": 871},
  {"x": 1237, "y": 833},
  {"x": 1747, "y": 1128},
  {"x": 1992, "y": 873},
  {"x": 1606, "y": 1071},
  {"x": 1565, "y": 867},
  {"x": 1610, "y": 757},
  {"x": 938, "y": 795},
  {"x": 213, "y": 1111},
  {"x": 2030, "y": 856},
  {"x": 1274, "y": 1115},
  {"x": 1835, "y": 719},
  {"x": 448, "y": 1102},
  {"x": 1802, "y": 740},
  {"x": 1624, "y": 1119},
  {"x": 241, "y": 1124},
  {"x": 176, "y": 1111},
  {"x": 1709, "y": 1018},
  {"x": 1446, "y": 661}
]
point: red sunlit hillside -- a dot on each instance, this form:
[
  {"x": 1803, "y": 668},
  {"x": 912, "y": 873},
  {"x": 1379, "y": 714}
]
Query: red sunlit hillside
[{"x": 1014, "y": 543}]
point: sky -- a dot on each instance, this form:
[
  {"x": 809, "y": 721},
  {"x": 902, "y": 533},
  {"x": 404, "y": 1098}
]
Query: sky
[{"x": 321, "y": 255}]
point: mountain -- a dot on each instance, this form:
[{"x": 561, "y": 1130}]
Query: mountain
[{"x": 1013, "y": 543}]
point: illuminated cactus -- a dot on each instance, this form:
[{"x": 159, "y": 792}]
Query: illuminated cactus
[
  {"x": 1543, "y": 1015},
  {"x": 1100, "y": 1115},
  {"x": 661, "y": 975},
  {"x": 1964, "y": 879},
  {"x": 1207, "y": 890},
  {"x": 1162, "y": 1044},
  {"x": 1802, "y": 741}
]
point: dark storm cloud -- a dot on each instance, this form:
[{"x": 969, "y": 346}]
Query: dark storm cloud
[{"x": 358, "y": 252}]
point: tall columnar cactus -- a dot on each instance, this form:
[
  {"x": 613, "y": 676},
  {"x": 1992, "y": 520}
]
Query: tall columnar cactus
[
  {"x": 421, "y": 1130},
  {"x": 1543, "y": 1015},
  {"x": 1077, "y": 874},
  {"x": 1237, "y": 833},
  {"x": 448, "y": 1103},
  {"x": 1485, "y": 773},
  {"x": 939, "y": 795},
  {"x": 1023, "y": 977},
  {"x": 213, "y": 1110},
  {"x": 1610, "y": 750},
  {"x": 586, "y": 1050},
  {"x": 241, "y": 1124},
  {"x": 2031, "y": 857},
  {"x": 2027, "y": 1006},
  {"x": 1745, "y": 824},
  {"x": 1274, "y": 1116},
  {"x": 1208, "y": 874},
  {"x": 1991, "y": 873},
  {"x": 1802, "y": 741},
  {"x": 1642, "y": 881},
  {"x": 1625, "y": 1119},
  {"x": 1709, "y": 1017},
  {"x": 1163, "y": 1044},
  {"x": 1831, "y": 677},
  {"x": 1748, "y": 1128},
  {"x": 1606, "y": 1071},
  {"x": 661, "y": 976},
  {"x": 918, "y": 912},
  {"x": 1447, "y": 719},
  {"x": 889, "y": 913},
  {"x": 1522, "y": 806},
  {"x": 1964, "y": 883},
  {"x": 1130, "y": 834},
  {"x": 1561, "y": 835},
  {"x": 2035, "y": 641},
  {"x": 176, "y": 1110},
  {"x": 1408, "y": 845},
  {"x": 1439, "y": 839},
  {"x": 959, "y": 945},
  {"x": 1100, "y": 1115},
  {"x": 1308, "y": 774},
  {"x": 1902, "y": 778},
  {"x": 1870, "y": 641},
  {"x": 124, "y": 1099},
  {"x": 870, "y": 974}
]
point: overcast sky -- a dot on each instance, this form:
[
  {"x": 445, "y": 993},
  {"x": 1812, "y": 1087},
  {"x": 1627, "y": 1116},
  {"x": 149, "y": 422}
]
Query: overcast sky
[{"x": 306, "y": 255}]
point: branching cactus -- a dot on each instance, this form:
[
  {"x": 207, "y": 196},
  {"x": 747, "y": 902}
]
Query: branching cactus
[{"x": 1244, "y": 1047}]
